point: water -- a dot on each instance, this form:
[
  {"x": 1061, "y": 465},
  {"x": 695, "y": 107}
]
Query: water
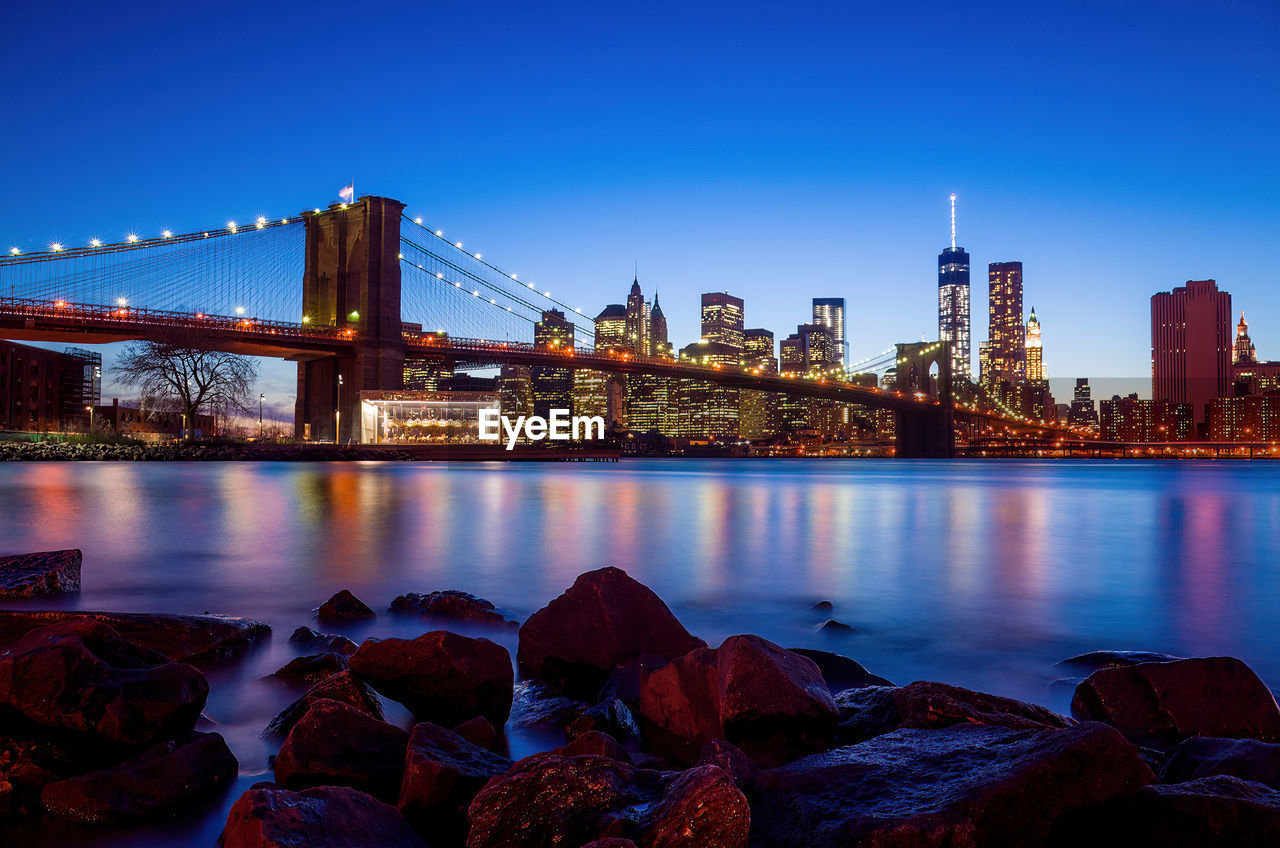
[{"x": 980, "y": 574}]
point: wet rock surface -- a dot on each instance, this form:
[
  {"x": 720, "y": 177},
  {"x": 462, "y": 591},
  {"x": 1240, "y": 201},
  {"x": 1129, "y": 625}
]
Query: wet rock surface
[
  {"x": 1206, "y": 756},
  {"x": 45, "y": 574},
  {"x": 344, "y": 608},
  {"x": 442, "y": 774},
  {"x": 342, "y": 687},
  {"x": 269, "y": 816},
  {"x": 180, "y": 638},
  {"x": 451, "y": 605},
  {"x": 871, "y": 711},
  {"x": 334, "y": 744},
  {"x": 840, "y": 672},
  {"x": 311, "y": 669},
  {"x": 309, "y": 640},
  {"x": 1220, "y": 811}
]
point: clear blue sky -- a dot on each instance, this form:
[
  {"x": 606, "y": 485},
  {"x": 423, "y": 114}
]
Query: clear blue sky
[{"x": 779, "y": 151}]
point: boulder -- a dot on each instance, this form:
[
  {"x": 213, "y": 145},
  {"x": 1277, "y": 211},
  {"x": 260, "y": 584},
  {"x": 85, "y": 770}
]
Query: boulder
[
  {"x": 963, "y": 785},
  {"x": 442, "y": 774},
  {"x": 451, "y": 605},
  {"x": 54, "y": 678},
  {"x": 771, "y": 703},
  {"x": 311, "y": 669},
  {"x": 180, "y": 638},
  {"x": 478, "y": 731},
  {"x": 839, "y": 672},
  {"x": 338, "y": 745},
  {"x": 32, "y": 757},
  {"x": 40, "y": 575},
  {"x": 162, "y": 778},
  {"x": 873, "y": 710},
  {"x": 342, "y": 687},
  {"x": 731, "y": 760},
  {"x": 268, "y": 816},
  {"x": 440, "y": 676},
  {"x": 595, "y": 743},
  {"x": 344, "y": 608},
  {"x": 1094, "y": 660},
  {"x": 1205, "y": 756},
  {"x": 1219, "y": 810},
  {"x": 610, "y": 842},
  {"x": 1160, "y": 704},
  {"x": 309, "y": 640},
  {"x": 822, "y": 606},
  {"x": 831, "y": 627},
  {"x": 702, "y": 808},
  {"x": 604, "y": 619}
]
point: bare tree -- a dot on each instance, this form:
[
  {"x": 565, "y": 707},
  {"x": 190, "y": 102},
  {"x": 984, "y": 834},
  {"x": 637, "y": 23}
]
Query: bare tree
[{"x": 171, "y": 371}]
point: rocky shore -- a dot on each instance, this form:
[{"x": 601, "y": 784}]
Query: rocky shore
[
  {"x": 665, "y": 740},
  {"x": 49, "y": 451}
]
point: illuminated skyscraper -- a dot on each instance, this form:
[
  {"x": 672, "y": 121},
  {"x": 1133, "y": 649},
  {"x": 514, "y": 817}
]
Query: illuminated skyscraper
[
  {"x": 611, "y": 328},
  {"x": 757, "y": 418},
  {"x": 638, "y": 327},
  {"x": 659, "y": 345},
  {"x": 1034, "y": 351},
  {"x": 953, "y": 302},
  {"x": 552, "y": 388},
  {"x": 758, "y": 350},
  {"x": 829, "y": 312},
  {"x": 1007, "y": 357},
  {"x": 722, "y": 321},
  {"x": 1191, "y": 346},
  {"x": 1244, "y": 353}
]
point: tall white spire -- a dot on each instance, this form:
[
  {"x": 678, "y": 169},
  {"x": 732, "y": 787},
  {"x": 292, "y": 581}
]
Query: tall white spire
[{"x": 953, "y": 221}]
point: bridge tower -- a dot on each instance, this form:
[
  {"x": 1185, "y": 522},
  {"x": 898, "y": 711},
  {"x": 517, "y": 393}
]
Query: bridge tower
[
  {"x": 351, "y": 279},
  {"x": 925, "y": 432}
]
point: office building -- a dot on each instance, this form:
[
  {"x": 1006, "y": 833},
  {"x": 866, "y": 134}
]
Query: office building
[
  {"x": 552, "y": 388},
  {"x": 1132, "y": 419},
  {"x": 829, "y": 312},
  {"x": 1007, "y": 354},
  {"x": 638, "y": 324},
  {"x": 722, "y": 320},
  {"x": 1191, "y": 346},
  {"x": 953, "y": 302},
  {"x": 1034, "y": 353},
  {"x": 1082, "y": 412}
]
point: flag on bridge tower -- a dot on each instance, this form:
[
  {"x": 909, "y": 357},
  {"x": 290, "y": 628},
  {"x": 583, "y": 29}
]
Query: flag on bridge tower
[{"x": 349, "y": 193}]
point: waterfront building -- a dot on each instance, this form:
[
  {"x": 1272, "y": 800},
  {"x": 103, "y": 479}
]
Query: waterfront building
[
  {"x": 1255, "y": 418},
  {"x": 551, "y": 387},
  {"x": 1191, "y": 346},
  {"x": 1082, "y": 412},
  {"x": 756, "y": 409},
  {"x": 706, "y": 410},
  {"x": 515, "y": 390},
  {"x": 591, "y": 393},
  {"x": 829, "y": 312},
  {"x": 649, "y": 399},
  {"x": 133, "y": 420},
  {"x": 441, "y": 417},
  {"x": 722, "y": 320},
  {"x": 43, "y": 389},
  {"x": 1006, "y": 355},
  {"x": 953, "y": 302},
  {"x": 1132, "y": 419}
]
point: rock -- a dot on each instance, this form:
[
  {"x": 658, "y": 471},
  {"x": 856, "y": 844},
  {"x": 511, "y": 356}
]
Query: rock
[
  {"x": 311, "y": 669},
  {"x": 338, "y": 745},
  {"x": 1094, "y": 660},
  {"x": 839, "y": 672},
  {"x": 342, "y": 687},
  {"x": 451, "y": 605},
  {"x": 603, "y": 620},
  {"x": 961, "y": 786},
  {"x": 1218, "y": 810},
  {"x": 831, "y": 627},
  {"x": 610, "y": 842},
  {"x": 326, "y": 817},
  {"x": 703, "y": 808},
  {"x": 440, "y": 676},
  {"x": 771, "y": 703},
  {"x": 595, "y": 743},
  {"x": 624, "y": 681},
  {"x": 1205, "y": 756},
  {"x": 442, "y": 774},
  {"x": 344, "y": 608},
  {"x": 310, "y": 640},
  {"x": 32, "y": 757},
  {"x": 1160, "y": 704},
  {"x": 163, "y": 777},
  {"x": 873, "y": 710},
  {"x": 180, "y": 638},
  {"x": 731, "y": 760},
  {"x": 40, "y": 575},
  {"x": 53, "y": 677},
  {"x": 822, "y": 606}
]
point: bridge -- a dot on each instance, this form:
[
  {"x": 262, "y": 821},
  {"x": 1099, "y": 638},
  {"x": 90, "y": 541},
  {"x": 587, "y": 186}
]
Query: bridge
[{"x": 352, "y": 291}]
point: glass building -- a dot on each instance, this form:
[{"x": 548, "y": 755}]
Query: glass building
[
  {"x": 829, "y": 312},
  {"x": 401, "y": 418},
  {"x": 953, "y": 307}
]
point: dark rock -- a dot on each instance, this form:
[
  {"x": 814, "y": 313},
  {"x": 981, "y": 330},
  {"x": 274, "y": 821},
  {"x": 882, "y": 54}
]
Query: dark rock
[
  {"x": 442, "y": 774},
  {"x": 595, "y": 743},
  {"x": 180, "y": 638},
  {"x": 344, "y": 608},
  {"x": 337, "y": 745},
  {"x": 311, "y": 669},
  {"x": 1205, "y": 756},
  {"x": 163, "y": 777},
  {"x": 831, "y": 627},
  {"x": 962, "y": 786},
  {"x": 40, "y": 575},
  {"x": 309, "y": 640},
  {"x": 610, "y": 842},
  {"x": 731, "y": 760},
  {"x": 478, "y": 731},
  {"x": 873, "y": 710},
  {"x": 326, "y": 817},
  {"x": 822, "y": 606},
  {"x": 623, "y": 682},
  {"x": 32, "y": 757},
  {"x": 1219, "y": 810},
  {"x": 1094, "y": 660},
  {"x": 451, "y": 605},
  {"x": 440, "y": 676},
  {"x": 603, "y": 620},
  {"x": 342, "y": 687},
  {"x": 839, "y": 672},
  {"x": 53, "y": 677},
  {"x": 1160, "y": 704},
  {"x": 766, "y": 700},
  {"x": 703, "y": 808}
]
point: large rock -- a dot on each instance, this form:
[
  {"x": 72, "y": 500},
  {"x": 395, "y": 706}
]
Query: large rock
[
  {"x": 342, "y": 687},
  {"x": 326, "y": 817},
  {"x": 703, "y": 808},
  {"x": 344, "y": 608},
  {"x": 337, "y": 745},
  {"x": 180, "y": 638},
  {"x": 604, "y": 619},
  {"x": 1219, "y": 810},
  {"x": 40, "y": 575},
  {"x": 310, "y": 669},
  {"x": 1094, "y": 660},
  {"x": 450, "y": 605},
  {"x": 1205, "y": 756},
  {"x": 959, "y": 786},
  {"x": 162, "y": 778},
  {"x": 54, "y": 677},
  {"x": 840, "y": 672},
  {"x": 309, "y": 640},
  {"x": 770, "y": 702},
  {"x": 31, "y": 757},
  {"x": 1160, "y": 704},
  {"x": 871, "y": 711},
  {"x": 440, "y": 676},
  {"x": 442, "y": 774}
]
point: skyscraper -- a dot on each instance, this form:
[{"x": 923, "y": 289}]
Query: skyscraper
[
  {"x": 722, "y": 321},
  {"x": 637, "y": 320},
  {"x": 829, "y": 312},
  {"x": 1004, "y": 309},
  {"x": 552, "y": 388},
  {"x": 1191, "y": 346},
  {"x": 756, "y": 409},
  {"x": 1034, "y": 350},
  {"x": 1244, "y": 353},
  {"x": 659, "y": 344},
  {"x": 611, "y": 328},
  {"x": 953, "y": 302},
  {"x": 1082, "y": 412}
]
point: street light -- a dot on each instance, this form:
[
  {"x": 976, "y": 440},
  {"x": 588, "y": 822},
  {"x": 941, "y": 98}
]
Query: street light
[
  {"x": 337, "y": 415},
  {"x": 89, "y": 409},
  {"x": 261, "y": 398}
]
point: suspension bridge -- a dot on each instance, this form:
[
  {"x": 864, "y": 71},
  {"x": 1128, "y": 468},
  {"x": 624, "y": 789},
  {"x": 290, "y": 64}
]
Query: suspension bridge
[{"x": 354, "y": 290}]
